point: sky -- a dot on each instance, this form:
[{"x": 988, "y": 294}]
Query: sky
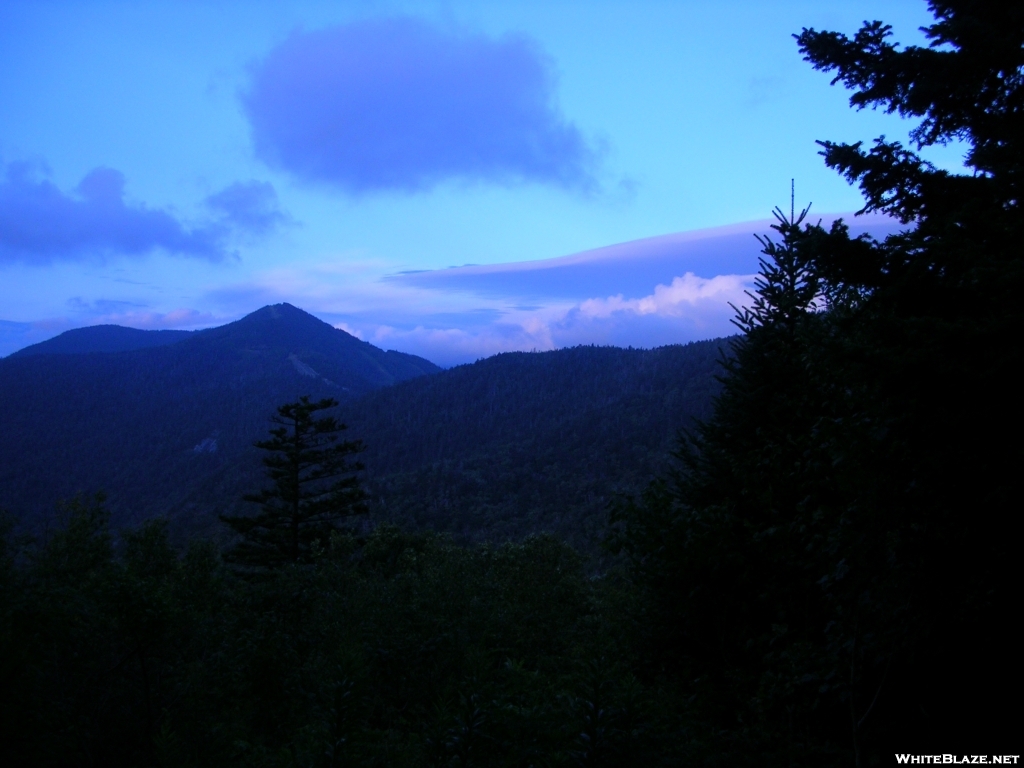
[{"x": 450, "y": 179}]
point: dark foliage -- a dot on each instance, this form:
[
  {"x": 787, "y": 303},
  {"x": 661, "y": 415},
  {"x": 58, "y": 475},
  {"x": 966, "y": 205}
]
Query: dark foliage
[
  {"x": 829, "y": 572},
  {"x": 397, "y": 649},
  {"x": 527, "y": 442},
  {"x": 315, "y": 488}
]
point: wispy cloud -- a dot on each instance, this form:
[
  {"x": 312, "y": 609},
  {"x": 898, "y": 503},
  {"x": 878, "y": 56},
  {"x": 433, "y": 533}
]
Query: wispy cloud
[
  {"x": 397, "y": 104},
  {"x": 664, "y": 290},
  {"x": 17, "y": 335},
  {"x": 249, "y": 207},
  {"x": 152, "y": 320},
  {"x": 689, "y": 308},
  {"x": 630, "y": 268},
  {"x": 41, "y": 224},
  {"x": 135, "y": 314}
]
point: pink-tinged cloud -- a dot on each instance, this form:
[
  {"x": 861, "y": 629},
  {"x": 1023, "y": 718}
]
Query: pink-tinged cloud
[
  {"x": 675, "y": 300},
  {"x": 396, "y": 104},
  {"x": 667, "y": 289},
  {"x": 41, "y": 224},
  {"x": 690, "y": 308},
  {"x": 663, "y": 290}
]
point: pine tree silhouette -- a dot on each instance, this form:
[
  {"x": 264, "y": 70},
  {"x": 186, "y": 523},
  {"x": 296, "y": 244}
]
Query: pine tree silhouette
[{"x": 315, "y": 488}]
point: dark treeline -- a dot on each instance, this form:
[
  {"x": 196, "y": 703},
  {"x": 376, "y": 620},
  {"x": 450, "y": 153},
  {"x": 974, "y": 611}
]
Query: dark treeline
[
  {"x": 826, "y": 575},
  {"x": 831, "y": 571},
  {"x": 395, "y": 649}
]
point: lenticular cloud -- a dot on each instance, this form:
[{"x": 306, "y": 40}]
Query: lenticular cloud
[{"x": 395, "y": 104}]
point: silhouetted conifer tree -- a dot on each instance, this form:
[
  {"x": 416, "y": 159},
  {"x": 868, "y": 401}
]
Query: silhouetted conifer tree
[
  {"x": 819, "y": 566},
  {"x": 315, "y": 487}
]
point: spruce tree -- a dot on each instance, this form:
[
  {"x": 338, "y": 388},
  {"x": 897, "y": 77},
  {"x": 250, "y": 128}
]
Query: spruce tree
[
  {"x": 819, "y": 568},
  {"x": 315, "y": 487}
]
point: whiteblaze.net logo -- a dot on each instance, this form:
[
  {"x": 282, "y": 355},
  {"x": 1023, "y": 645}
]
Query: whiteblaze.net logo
[{"x": 956, "y": 759}]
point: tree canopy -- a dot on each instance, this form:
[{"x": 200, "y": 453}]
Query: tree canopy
[{"x": 818, "y": 567}]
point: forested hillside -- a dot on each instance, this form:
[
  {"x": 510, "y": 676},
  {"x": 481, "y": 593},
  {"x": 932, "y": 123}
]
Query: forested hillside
[
  {"x": 152, "y": 424},
  {"x": 528, "y": 442},
  {"x": 511, "y": 445}
]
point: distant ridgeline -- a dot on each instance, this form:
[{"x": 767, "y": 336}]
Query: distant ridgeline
[
  {"x": 102, "y": 338},
  {"x": 164, "y": 423}
]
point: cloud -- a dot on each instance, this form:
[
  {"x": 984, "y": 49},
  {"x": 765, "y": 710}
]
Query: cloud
[
  {"x": 676, "y": 300},
  {"x": 668, "y": 289},
  {"x": 135, "y": 314},
  {"x": 248, "y": 206},
  {"x": 395, "y": 104},
  {"x": 101, "y": 306},
  {"x": 17, "y": 335},
  {"x": 40, "y": 224},
  {"x": 689, "y": 308},
  {"x": 631, "y": 268},
  {"x": 454, "y": 346},
  {"x": 151, "y": 320}
]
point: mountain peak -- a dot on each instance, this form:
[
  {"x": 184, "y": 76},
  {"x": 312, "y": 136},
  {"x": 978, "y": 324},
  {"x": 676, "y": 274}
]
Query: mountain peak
[
  {"x": 286, "y": 332},
  {"x": 283, "y": 324},
  {"x": 283, "y": 311}
]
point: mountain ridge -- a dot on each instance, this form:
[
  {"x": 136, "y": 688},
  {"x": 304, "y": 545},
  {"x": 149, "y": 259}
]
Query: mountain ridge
[
  {"x": 101, "y": 338},
  {"x": 510, "y": 445},
  {"x": 129, "y": 421}
]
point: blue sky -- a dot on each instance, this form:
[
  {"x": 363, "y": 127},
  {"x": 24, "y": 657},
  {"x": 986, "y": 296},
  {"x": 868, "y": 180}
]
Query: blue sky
[{"x": 180, "y": 164}]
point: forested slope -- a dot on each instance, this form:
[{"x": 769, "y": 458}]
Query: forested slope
[
  {"x": 510, "y": 445},
  {"x": 523, "y": 442},
  {"x": 157, "y": 427}
]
